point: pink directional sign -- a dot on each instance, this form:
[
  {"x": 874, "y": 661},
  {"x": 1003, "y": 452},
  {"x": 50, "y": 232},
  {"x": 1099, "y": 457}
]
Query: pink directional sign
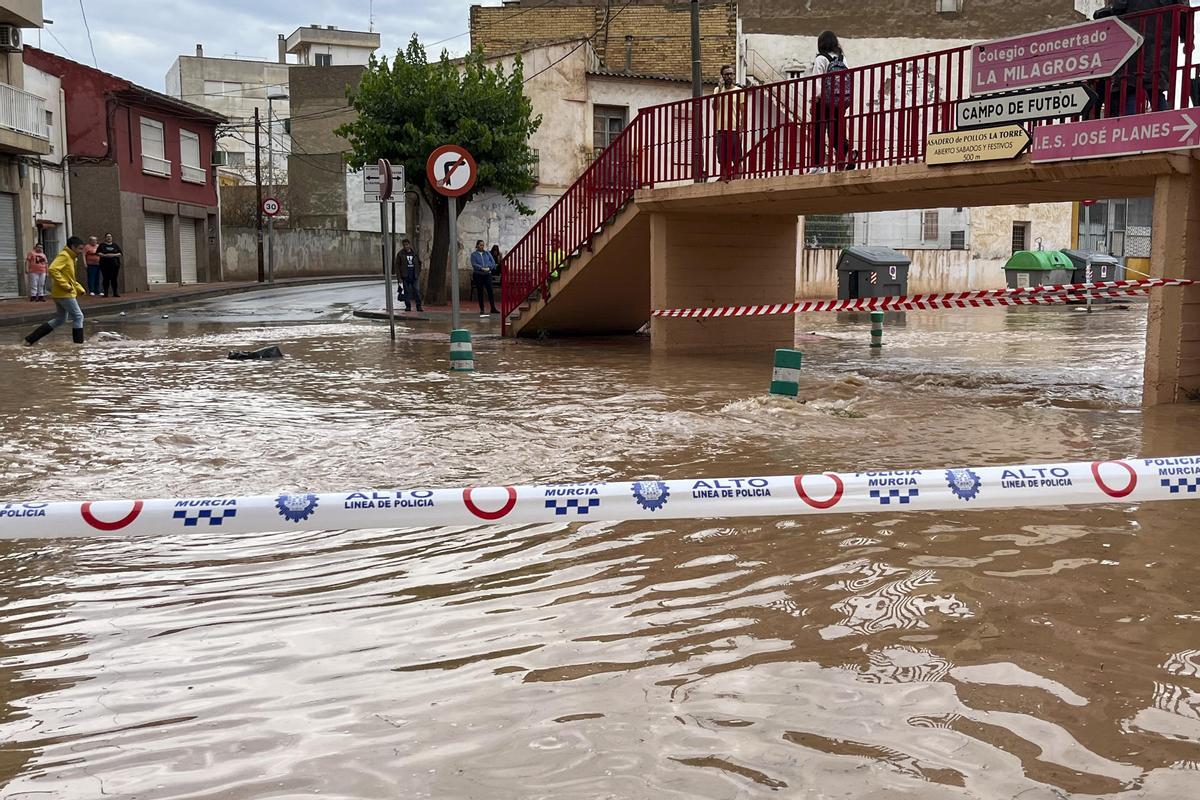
[
  {"x": 1064, "y": 55},
  {"x": 1118, "y": 136}
]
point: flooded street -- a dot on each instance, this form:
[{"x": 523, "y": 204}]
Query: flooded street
[{"x": 1029, "y": 653}]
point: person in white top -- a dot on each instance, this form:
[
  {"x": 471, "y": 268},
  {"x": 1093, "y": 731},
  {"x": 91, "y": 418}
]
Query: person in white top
[{"x": 834, "y": 95}]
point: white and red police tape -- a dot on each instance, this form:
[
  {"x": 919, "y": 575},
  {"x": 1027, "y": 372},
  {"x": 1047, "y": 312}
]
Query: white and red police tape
[
  {"x": 983, "y": 298},
  {"x": 1028, "y": 486}
]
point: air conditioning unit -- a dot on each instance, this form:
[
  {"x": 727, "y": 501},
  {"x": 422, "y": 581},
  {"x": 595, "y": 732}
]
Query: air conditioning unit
[
  {"x": 10, "y": 38},
  {"x": 948, "y": 6},
  {"x": 220, "y": 158}
]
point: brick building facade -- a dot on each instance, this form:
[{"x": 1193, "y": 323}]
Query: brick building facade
[{"x": 644, "y": 37}]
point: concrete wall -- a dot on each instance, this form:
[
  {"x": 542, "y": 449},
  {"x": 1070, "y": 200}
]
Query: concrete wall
[
  {"x": 302, "y": 253},
  {"x": 931, "y": 271},
  {"x": 992, "y": 229}
]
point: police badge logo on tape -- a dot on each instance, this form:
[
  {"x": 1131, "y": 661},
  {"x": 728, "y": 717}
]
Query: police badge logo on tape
[
  {"x": 651, "y": 495},
  {"x": 296, "y": 507},
  {"x": 964, "y": 483}
]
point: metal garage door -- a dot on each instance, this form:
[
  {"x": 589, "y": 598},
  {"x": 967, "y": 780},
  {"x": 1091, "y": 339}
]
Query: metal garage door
[
  {"x": 10, "y": 259},
  {"x": 187, "y": 250},
  {"x": 156, "y": 248}
]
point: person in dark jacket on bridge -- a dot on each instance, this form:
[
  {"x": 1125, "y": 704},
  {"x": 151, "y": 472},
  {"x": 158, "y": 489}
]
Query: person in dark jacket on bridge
[{"x": 1147, "y": 78}]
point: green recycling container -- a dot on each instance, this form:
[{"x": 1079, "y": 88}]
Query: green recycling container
[{"x": 1038, "y": 268}]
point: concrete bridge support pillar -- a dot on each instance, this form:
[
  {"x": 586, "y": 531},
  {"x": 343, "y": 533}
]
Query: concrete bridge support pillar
[
  {"x": 1173, "y": 329},
  {"x": 706, "y": 260}
]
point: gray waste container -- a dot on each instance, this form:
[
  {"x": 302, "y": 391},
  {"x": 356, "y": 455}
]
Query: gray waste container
[
  {"x": 1104, "y": 267},
  {"x": 872, "y": 272}
]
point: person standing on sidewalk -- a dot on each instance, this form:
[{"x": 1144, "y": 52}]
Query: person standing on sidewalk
[
  {"x": 64, "y": 290},
  {"x": 482, "y": 266},
  {"x": 91, "y": 258},
  {"x": 110, "y": 265},
  {"x": 35, "y": 270},
  {"x": 410, "y": 272}
]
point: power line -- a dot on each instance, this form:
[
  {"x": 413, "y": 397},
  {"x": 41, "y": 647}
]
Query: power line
[
  {"x": 607, "y": 21},
  {"x": 60, "y": 44},
  {"x": 88, "y": 28}
]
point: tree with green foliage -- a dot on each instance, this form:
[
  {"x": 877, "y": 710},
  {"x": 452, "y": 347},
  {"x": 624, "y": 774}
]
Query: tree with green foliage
[{"x": 409, "y": 107}]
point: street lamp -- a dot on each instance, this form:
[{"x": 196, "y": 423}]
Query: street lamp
[{"x": 273, "y": 93}]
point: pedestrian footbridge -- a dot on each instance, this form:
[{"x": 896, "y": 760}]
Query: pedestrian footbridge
[{"x": 649, "y": 224}]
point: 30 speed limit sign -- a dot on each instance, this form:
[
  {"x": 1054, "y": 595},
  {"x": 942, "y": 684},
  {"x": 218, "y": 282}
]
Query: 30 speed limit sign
[{"x": 271, "y": 206}]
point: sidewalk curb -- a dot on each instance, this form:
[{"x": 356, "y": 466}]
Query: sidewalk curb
[{"x": 46, "y": 310}]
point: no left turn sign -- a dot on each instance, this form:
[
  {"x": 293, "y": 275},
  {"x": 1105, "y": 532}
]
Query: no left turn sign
[{"x": 451, "y": 170}]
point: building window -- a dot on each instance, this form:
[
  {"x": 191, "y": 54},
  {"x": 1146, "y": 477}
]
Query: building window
[
  {"x": 929, "y": 226},
  {"x": 49, "y": 119},
  {"x": 958, "y": 240},
  {"x": 323, "y": 59},
  {"x": 189, "y": 158},
  {"x": 536, "y": 166},
  {"x": 608, "y": 122},
  {"x": 236, "y": 159},
  {"x": 154, "y": 159},
  {"x": 1020, "y": 237}
]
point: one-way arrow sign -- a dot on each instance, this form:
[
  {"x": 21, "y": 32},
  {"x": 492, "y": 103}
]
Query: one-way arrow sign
[
  {"x": 1118, "y": 136},
  {"x": 1001, "y": 109}
]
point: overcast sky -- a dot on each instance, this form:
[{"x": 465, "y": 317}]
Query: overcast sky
[{"x": 139, "y": 40}]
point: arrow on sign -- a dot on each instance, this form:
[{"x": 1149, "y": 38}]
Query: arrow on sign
[{"x": 1189, "y": 127}]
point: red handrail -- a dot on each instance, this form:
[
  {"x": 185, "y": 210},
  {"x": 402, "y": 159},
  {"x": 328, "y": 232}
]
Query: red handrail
[{"x": 783, "y": 129}]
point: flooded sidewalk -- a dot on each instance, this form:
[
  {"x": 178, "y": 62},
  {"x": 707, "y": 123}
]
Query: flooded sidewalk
[{"x": 1027, "y": 653}]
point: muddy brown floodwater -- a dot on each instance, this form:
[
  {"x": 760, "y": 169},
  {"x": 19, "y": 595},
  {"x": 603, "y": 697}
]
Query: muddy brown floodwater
[{"x": 1019, "y": 654}]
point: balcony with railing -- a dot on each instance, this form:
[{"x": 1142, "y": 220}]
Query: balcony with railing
[
  {"x": 883, "y": 118},
  {"x": 23, "y": 128}
]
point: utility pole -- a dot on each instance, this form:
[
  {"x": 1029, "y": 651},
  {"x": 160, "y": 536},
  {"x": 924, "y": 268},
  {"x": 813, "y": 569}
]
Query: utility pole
[
  {"x": 262, "y": 275},
  {"x": 697, "y": 93}
]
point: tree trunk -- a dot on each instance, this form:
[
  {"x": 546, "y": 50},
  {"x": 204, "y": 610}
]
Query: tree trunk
[{"x": 436, "y": 293}]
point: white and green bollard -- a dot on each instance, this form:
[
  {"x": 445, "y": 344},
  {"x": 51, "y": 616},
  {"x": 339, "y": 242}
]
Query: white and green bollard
[
  {"x": 785, "y": 380},
  {"x": 462, "y": 357},
  {"x": 876, "y": 329}
]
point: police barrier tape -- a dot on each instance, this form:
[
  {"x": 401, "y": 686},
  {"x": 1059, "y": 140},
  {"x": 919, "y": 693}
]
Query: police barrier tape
[
  {"x": 1029, "y": 486},
  {"x": 983, "y": 298}
]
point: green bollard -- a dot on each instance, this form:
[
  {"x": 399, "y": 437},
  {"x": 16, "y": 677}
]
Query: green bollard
[
  {"x": 785, "y": 380},
  {"x": 876, "y": 329},
  {"x": 462, "y": 358}
]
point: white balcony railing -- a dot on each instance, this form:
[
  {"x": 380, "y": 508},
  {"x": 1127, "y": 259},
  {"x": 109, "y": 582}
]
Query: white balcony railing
[
  {"x": 23, "y": 112},
  {"x": 193, "y": 174},
  {"x": 156, "y": 166}
]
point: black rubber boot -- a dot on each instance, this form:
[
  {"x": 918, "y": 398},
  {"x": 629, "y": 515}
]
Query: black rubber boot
[
  {"x": 77, "y": 335},
  {"x": 42, "y": 331}
]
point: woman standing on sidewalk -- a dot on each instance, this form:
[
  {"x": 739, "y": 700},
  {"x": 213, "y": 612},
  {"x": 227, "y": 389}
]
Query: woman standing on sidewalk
[
  {"x": 64, "y": 289},
  {"x": 110, "y": 265},
  {"x": 91, "y": 259},
  {"x": 35, "y": 269}
]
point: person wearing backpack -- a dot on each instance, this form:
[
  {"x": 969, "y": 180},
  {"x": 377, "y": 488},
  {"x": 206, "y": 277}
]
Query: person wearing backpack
[{"x": 835, "y": 94}]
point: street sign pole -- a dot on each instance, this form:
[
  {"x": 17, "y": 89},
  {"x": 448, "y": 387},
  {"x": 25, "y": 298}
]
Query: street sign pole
[
  {"x": 387, "y": 268},
  {"x": 453, "y": 259}
]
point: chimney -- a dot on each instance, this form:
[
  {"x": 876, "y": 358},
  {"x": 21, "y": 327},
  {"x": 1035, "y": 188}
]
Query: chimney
[
  {"x": 628, "y": 53},
  {"x": 282, "y": 49},
  {"x": 199, "y": 51}
]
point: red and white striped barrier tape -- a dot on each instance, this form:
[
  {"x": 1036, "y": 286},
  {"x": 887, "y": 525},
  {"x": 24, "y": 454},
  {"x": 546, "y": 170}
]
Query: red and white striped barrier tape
[{"x": 984, "y": 298}]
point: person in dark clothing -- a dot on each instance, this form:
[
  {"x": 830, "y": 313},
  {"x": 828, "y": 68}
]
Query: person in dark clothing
[
  {"x": 409, "y": 265},
  {"x": 1148, "y": 76},
  {"x": 482, "y": 266},
  {"x": 110, "y": 266},
  {"x": 497, "y": 257}
]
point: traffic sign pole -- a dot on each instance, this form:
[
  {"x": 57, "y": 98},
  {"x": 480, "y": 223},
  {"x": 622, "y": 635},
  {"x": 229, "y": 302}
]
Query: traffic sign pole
[
  {"x": 454, "y": 312},
  {"x": 451, "y": 172},
  {"x": 387, "y": 268}
]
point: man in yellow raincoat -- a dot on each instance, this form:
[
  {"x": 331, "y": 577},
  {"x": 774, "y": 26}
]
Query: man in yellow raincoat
[{"x": 63, "y": 291}]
